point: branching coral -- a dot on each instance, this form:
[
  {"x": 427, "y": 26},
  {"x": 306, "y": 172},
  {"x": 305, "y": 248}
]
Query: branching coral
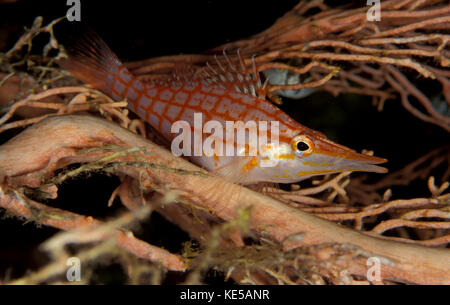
[
  {"x": 322, "y": 233},
  {"x": 156, "y": 169},
  {"x": 379, "y": 57}
]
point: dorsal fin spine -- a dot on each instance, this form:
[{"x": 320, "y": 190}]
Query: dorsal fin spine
[{"x": 235, "y": 76}]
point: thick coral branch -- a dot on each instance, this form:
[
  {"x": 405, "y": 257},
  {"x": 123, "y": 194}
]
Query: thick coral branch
[{"x": 55, "y": 142}]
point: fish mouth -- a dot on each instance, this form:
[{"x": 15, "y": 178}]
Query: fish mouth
[
  {"x": 362, "y": 165},
  {"x": 347, "y": 159}
]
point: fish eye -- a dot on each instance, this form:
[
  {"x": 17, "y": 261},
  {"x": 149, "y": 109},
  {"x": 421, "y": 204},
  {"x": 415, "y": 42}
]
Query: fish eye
[{"x": 302, "y": 145}]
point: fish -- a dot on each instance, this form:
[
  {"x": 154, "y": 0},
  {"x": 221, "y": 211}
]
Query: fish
[{"x": 228, "y": 92}]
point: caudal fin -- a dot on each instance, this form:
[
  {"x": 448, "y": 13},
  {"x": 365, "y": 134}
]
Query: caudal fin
[{"x": 92, "y": 61}]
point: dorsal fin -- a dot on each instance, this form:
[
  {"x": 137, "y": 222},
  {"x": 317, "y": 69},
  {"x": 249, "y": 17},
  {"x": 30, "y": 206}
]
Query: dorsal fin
[
  {"x": 235, "y": 76},
  {"x": 222, "y": 73}
]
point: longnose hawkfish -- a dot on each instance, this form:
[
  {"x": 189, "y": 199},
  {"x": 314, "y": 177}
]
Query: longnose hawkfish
[{"x": 228, "y": 93}]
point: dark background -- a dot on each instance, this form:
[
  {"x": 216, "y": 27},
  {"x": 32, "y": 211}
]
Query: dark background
[{"x": 142, "y": 29}]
